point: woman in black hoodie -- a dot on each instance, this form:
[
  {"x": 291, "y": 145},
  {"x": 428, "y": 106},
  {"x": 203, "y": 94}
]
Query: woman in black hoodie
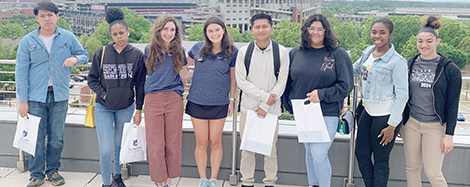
[
  {"x": 115, "y": 75},
  {"x": 431, "y": 113}
]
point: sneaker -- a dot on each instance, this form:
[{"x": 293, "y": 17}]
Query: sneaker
[
  {"x": 213, "y": 183},
  {"x": 35, "y": 182},
  {"x": 117, "y": 181},
  {"x": 166, "y": 185},
  {"x": 55, "y": 178},
  {"x": 247, "y": 186},
  {"x": 203, "y": 183}
]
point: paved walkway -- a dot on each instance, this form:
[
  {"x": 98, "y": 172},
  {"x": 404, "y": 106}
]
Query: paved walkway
[{"x": 10, "y": 177}]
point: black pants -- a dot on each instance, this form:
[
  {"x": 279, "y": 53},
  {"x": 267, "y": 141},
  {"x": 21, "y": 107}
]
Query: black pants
[{"x": 375, "y": 174}]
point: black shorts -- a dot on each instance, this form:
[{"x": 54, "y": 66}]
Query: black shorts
[{"x": 206, "y": 111}]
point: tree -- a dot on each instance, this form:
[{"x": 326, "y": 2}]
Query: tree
[
  {"x": 92, "y": 45},
  {"x": 83, "y": 39},
  {"x": 356, "y": 51},
  {"x": 458, "y": 56},
  {"x": 11, "y": 30},
  {"x": 63, "y": 24},
  {"x": 464, "y": 45},
  {"x": 348, "y": 35},
  {"x": 18, "y": 18},
  {"x": 453, "y": 31},
  {"x": 195, "y": 33},
  {"x": 410, "y": 49},
  {"x": 138, "y": 25},
  {"x": 287, "y": 33},
  {"x": 101, "y": 33}
]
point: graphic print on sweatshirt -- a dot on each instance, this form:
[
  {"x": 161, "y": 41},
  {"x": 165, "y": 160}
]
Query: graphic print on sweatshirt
[
  {"x": 110, "y": 71},
  {"x": 329, "y": 64}
]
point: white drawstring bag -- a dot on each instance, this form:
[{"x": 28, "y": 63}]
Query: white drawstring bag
[
  {"x": 309, "y": 121},
  {"x": 258, "y": 135},
  {"x": 133, "y": 143},
  {"x": 26, "y": 134}
]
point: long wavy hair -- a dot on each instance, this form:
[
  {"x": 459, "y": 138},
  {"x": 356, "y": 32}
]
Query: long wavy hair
[
  {"x": 226, "y": 43},
  {"x": 158, "y": 49},
  {"x": 330, "y": 41}
]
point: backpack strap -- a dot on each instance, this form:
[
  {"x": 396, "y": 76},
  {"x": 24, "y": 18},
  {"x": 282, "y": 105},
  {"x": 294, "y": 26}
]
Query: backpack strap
[
  {"x": 248, "y": 54},
  {"x": 277, "y": 58}
]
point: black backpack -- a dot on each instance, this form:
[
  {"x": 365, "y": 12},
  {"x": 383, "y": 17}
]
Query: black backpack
[{"x": 249, "y": 53}]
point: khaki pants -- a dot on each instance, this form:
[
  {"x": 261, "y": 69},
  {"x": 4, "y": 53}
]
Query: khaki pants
[
  {"x": 247, "y": 165},
  {"x": 422, "y": 142}
]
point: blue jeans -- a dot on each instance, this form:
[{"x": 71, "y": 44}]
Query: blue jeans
[
  {"x": 316, "y": 156},
  {"x": 52, "y": 123},
  {"x": 109, "y": 126}
]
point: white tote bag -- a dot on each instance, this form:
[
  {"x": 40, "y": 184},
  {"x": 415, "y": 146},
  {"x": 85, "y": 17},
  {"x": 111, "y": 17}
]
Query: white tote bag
[
  {"x": 258, "y": 134},
  {"x": 26, "y": 134},
  {"x": 309, "y": 121},
  {"x": 133, "y": 143}
]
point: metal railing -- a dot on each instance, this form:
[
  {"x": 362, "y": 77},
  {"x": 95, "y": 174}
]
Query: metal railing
[{"x": 348, "y": 182}]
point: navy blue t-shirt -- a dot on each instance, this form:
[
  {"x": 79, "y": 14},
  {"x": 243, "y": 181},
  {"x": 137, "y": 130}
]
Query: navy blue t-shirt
[
  {"x": 164, "y": 78},
  {"x": 211, "y": 79}
]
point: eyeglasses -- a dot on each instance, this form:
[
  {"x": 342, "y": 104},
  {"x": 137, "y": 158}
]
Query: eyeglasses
[{"x": 316, "y": 29}]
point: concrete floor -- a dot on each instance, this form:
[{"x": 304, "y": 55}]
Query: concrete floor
[{"x": 10, "y": 177}]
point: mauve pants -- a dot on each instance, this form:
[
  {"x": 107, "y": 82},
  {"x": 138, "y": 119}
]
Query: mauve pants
[{"x": 164, "y": 123}]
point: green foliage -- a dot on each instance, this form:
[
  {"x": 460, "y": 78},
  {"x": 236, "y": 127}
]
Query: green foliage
[
  {"x": 18, "y": 18},
  {"x": 464, "y": 45},
  {"x": 458, "y": 56},
  {"x": 11, "y": 30},
  {"x": 348, "y": 35},
  {"x": 410, "y": 49},
  {"x": 353, "y": 7},
  {"x": 287, "y": 33},
  {"x": 63, "y": 24},
  {"x": 83, "y": 39},
  {"x": 75, "y": 70},
  {"x": 356, "y": 51},
  {"x": 92, "y": 45},
  {"x": 138, "y": 25},
  {"x": 4, "y": 21},
  {"x": 453, "y": 31},
  {"x": 101, "y": 33},
  {"x": 195, "y": 33},
  {"x": 145, "y": 37}
]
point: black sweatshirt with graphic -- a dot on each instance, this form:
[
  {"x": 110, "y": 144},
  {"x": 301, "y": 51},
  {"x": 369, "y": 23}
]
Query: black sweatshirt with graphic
[{"x": 122, "y": 75}]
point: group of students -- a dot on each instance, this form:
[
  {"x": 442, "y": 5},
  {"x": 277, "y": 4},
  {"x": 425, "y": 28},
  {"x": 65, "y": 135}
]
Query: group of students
[{"x": 425, "y": 92}]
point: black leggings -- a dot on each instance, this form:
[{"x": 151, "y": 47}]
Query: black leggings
[{"x": 374, "y": 174}]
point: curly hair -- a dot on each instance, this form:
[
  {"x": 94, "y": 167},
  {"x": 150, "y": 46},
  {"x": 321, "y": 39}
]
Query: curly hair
[
  {"x": 158, "y": 49},
  {"x": 115, "y": 16},
  {"x": 227, "y": 43},
  {"x": 330, "y": 41}
]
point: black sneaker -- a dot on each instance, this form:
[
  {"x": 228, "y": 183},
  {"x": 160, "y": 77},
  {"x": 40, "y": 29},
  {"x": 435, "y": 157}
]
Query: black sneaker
[
  {"x": 55, "y": 178},
  {"x": 33, "y": 182},
  {"x": 246, "y": 186},
  {"x": 117, "y": 181}
]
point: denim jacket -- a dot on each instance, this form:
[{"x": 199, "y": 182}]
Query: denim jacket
[
  {"x": 34, "y": 65},
  {"x": 387, "y": 77}
]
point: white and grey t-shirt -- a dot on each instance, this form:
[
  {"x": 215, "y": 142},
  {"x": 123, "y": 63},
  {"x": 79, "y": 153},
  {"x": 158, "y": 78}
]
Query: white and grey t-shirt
[
  {"x": 48, "y": 43},
  {"x": 421, "y": 87}
]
